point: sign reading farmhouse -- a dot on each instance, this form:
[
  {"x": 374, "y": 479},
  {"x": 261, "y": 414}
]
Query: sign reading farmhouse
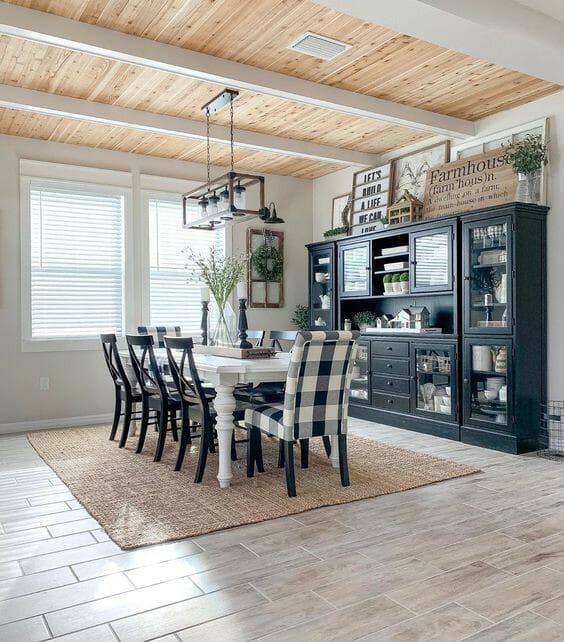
[{"x": 469, "y": 184}]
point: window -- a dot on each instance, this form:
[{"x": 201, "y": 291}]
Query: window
[
  {"x": 76, "y": 260},
  {"x": 174, "y": 299}
]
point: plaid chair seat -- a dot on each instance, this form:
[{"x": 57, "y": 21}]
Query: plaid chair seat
[
  {"x": 315, "y": 401},
  {"x": 159, "y": 332}
]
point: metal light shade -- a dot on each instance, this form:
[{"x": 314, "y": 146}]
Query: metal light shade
[{"x": 269, "y": 215}]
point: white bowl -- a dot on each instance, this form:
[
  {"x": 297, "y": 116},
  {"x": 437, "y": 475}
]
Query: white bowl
[
  {"x": 491, "y": 394},
  {"x": 445, "y": 409}
]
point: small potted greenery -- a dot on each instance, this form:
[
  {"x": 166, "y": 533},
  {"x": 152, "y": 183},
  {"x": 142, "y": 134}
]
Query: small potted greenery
[
  {"x": 300, "y": 318},
  {"x": 404, "y": 282},
  {"x": 528, "y": 157},
  {"x": 336, "y": 232},
  {"x": 396, "y": 282},
  {"x": 388, "y": 287},
  {"x": 364, "y": 319}
]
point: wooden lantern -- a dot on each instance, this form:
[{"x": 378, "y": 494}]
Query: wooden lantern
[{"x": 407, "y": 209}]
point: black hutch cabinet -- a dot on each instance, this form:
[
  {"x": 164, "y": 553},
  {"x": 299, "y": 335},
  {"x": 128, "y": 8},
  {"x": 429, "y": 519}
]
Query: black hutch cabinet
[{"x": 482, "y": 277}]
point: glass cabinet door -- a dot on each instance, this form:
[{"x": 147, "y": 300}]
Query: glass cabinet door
[
  {"x": 360, "y": 386},
  {"x": 322, "y": 300},
  {"x": 355, "y": 269},
  {"x": 431, "y": 260},
  {"x": 487, "y": 279},
  {"x": 487, "y": 385},
  {"x": 435, "y": 379}
]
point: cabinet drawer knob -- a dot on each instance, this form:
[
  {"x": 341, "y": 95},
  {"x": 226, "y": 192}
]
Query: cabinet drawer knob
[
  {"x": 390, "y": 383},
  {"x": 390, "y": 401},
  {"x": 389, "y": 348},
  {"x": 389, "y": 365}
]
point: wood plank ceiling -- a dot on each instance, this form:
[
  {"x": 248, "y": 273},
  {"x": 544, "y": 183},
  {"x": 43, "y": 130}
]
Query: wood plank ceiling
[{"x": 380, "y": 63}]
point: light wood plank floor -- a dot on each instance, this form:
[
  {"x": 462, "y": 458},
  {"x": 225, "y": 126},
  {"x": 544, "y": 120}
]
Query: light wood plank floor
[{"x": 477, "y": 558}]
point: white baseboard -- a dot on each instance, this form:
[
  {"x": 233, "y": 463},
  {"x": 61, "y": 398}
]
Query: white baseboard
[{"x": 49, "y": 424}]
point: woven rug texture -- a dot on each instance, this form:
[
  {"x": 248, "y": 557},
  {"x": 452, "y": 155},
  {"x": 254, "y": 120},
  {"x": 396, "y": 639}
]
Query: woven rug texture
[{"x": 139, "y": 502}]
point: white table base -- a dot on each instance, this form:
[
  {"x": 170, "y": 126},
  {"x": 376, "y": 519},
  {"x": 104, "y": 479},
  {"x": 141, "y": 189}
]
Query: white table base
[{"x": 224, "y": 405}]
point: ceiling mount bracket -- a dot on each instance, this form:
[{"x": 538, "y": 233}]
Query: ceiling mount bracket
[{"x": 218, "y": 102}]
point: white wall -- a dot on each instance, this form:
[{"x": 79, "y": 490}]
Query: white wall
[
  {"x": 326, "y": 187},
  {"x": 79, "y": 383}
]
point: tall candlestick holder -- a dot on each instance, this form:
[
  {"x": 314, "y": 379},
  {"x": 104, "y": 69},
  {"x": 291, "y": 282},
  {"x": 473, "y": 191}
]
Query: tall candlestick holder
[
  {"x": 204, "y": 323},
  {"x": 243, "y": 327}
]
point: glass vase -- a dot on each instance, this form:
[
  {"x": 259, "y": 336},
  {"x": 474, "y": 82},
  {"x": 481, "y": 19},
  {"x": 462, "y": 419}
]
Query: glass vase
[
  {"x": 528, "y": 188},
  {"x": 222, "y": 325}
]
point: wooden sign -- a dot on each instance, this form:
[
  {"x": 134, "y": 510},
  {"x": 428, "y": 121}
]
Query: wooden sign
[
  {"x": 469, "y": 184},
  {"x": 370, "y": 199}
]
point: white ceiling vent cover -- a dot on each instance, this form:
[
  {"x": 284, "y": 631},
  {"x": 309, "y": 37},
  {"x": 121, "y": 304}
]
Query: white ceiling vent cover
[{"x": 312, "y": 44}]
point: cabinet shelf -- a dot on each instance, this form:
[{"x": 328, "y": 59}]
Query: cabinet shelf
[
  {"x": 489, "y": 373},
  {"x": 480, "y": 266},
  {"x": 405, "y": 269},
  {"x": 380, "y": 257}
]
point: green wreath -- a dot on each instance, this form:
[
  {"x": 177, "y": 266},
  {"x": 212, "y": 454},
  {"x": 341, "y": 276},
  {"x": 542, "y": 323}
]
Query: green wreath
[{"x": 268, "y": 263}]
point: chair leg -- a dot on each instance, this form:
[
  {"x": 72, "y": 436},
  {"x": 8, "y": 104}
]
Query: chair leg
[
  {"x": 251, "y": 451},
  {"x": 184, "y": 440},
  {"x": 258, "y": 450},
  {"x": 174, "y": 425},
  {"x": 233, "y": 447},
  {"x": 207, "y": 436},
  {"x": 163, "y": 416},
  {"x": 327, "y": 445},
  {"x": 117, "y": 413},
  {"x": 144, "y": 425},
  {"x": 289, "y": 465},
  {"x": 126, "y": 423},
  {"x": 304, "y": 451},
  {"x": 281, "y": 458},
  {"x": 343, "y": 463}
]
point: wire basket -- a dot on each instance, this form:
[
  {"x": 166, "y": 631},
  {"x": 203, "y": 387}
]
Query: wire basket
[{"x": 551, "y": 434}]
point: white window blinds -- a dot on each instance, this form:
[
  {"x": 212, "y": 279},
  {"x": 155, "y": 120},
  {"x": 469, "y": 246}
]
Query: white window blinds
[
  {"x": 77, "y": 260},
  {"x": 174, "y": 299}
]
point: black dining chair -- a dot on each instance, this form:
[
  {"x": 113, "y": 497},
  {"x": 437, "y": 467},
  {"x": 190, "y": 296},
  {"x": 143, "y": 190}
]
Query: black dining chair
[
  {"x": 192, "y": 392},
  {"x": 158, "y": 332},
  {"x": 126, "y": 393},
  {"x": 276, "y": 336},
  {"x": 155, "y": 392}
]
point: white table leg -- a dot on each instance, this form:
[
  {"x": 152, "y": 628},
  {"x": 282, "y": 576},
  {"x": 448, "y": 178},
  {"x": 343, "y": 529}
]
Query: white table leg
[
  {"x": 224, "y": 405},
  {"x": 334, "y": 451}
]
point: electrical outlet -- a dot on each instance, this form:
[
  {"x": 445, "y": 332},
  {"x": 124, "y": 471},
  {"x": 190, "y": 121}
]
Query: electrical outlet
[{"x": 44, "y": 383}]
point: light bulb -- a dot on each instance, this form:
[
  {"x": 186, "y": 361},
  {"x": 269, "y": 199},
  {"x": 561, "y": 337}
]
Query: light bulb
[
  {"x": 239, "y": 196},
  {"x": 224, "y": 199},
  {"x": 213, "y": 200},
  {"x": 203, "y": 203}
]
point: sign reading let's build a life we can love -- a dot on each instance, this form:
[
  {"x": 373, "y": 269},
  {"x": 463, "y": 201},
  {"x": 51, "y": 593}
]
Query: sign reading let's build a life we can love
[
  {"x": 469, "y": 184},
  {"x": 370, "y": 199}
]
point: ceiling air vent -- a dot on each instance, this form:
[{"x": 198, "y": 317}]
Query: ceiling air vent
[{"x": 312, "y": 44}]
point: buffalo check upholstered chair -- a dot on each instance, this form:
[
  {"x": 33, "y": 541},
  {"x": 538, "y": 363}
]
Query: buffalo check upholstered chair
[
  {"x": 315, "y": 402},
  {"x": 158, "y": 332}
]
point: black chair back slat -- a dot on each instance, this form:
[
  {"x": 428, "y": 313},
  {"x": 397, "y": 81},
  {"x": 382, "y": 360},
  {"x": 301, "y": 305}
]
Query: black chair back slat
[
  {"x": 145, "y": 365},
  {"x": 256, "y": 337},
  {"x": 114, "y": 362},
  {"x": 276, "y": 336}
]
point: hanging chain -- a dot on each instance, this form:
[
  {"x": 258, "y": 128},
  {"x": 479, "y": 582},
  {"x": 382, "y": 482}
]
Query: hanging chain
[
  {"x": 208, "y": 145},
  {"x": 231, "y": 131}
]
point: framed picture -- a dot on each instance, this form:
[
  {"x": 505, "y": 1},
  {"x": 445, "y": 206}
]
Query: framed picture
[
  {"x": 409, "y": 172},
  {"x": 339, "y": 203}
]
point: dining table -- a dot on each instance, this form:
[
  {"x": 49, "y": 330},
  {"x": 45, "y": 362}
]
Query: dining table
[{"x": 225, "y": 373}]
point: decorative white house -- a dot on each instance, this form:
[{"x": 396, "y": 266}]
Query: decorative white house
[
  {"x": 384, "y": 321},
  {"x": 413, "y": 317}
]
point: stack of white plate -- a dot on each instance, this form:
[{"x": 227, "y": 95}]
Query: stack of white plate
[{"x": 495, "y": 383}]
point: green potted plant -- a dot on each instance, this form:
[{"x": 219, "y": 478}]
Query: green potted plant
[
  {"x": 364, "y": 319},
  {"x": 396, "y": 282},
  {"x": 388, "y": 287},
  {"x": 300, "y": 318},
  {"x": 404, "y": 282},
  {"x": 336, "y": 232},
  {"x": 528, "y": 157}
]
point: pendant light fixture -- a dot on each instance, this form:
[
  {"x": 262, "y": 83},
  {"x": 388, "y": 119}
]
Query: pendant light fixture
[{"x": 224, "y": 200}]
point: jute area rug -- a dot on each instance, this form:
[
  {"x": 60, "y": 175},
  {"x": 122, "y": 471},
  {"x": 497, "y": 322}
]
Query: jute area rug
[{"x": 140, "y": 502}]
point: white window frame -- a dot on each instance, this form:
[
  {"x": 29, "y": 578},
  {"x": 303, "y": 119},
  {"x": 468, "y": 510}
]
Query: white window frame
[
  {"x": 509, "y": 133},
  {"x": 111, "y": 182},
  {"x": 166, "y": 188}
]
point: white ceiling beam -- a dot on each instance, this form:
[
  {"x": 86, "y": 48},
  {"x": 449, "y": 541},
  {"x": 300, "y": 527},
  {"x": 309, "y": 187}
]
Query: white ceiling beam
[
  {"x": 84, "y": 110},
  {"x": 70, "y": 34},
  {"x": 502, "y": 32}
]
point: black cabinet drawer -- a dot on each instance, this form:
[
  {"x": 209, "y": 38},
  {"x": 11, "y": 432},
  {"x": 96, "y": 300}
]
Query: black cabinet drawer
[
  {"x": 391, "y": 385},
  {"x": 391, "y": 348},
  {"x": 391, "y": 367},
  {"x": 390, "y": 402}
]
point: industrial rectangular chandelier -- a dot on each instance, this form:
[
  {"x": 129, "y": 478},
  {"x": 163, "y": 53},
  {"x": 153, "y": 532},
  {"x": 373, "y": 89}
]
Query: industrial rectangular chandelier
[{"x": 224, "y": 200}]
